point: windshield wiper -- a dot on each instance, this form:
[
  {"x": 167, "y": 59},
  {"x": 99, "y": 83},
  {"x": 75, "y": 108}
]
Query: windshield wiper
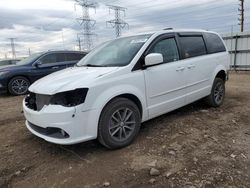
[{"x": 91, "y": 65}]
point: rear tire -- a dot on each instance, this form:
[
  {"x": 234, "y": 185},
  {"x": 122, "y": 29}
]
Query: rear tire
[
  {"x": 18, "y": 85},
  {"x": 216, "y": 98},
  {"x": 119, "y": 123}
]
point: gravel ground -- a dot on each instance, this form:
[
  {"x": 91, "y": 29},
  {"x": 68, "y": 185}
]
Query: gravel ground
[{"x": 195, "y": 146}]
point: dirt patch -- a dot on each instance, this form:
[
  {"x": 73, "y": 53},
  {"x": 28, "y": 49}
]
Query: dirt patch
[{"x": 194, "y": 146}]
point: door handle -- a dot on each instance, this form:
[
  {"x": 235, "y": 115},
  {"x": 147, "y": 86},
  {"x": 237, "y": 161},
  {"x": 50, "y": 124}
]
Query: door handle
[
  {"x": 56, "y": 67},
  {"x": 180, "y": 69},
  {"x": 190, "y": 66}
]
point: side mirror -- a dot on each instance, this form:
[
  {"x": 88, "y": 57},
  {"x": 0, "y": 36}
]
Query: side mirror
[
  {"x": 153, "y": 59},
  {"x": 38, "y": 63}
]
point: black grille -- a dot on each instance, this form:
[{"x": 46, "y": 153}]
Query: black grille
[
  {"x": 30, "y": 101},
  {"x": 37, "y": 101},
  {"x": 50, "y": 131}
]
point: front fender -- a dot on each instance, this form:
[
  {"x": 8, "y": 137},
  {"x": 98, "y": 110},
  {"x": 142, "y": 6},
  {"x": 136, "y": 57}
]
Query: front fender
[{"x": 107, "y": 95}]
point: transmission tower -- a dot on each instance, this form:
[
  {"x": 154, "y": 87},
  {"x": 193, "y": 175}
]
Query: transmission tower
[
  {"x": 87, "y": 23},
  {"x": 12, "y": 44},
  {"x": 241, "y": 18},
  {"x": 117, "y": 23}
]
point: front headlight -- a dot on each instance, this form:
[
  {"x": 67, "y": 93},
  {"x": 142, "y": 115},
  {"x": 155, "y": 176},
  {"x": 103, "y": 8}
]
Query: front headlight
[{"x": 70, "y": 98}]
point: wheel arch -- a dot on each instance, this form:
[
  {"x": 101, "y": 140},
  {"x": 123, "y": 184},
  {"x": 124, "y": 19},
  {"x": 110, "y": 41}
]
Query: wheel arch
[
  {"x": 14, "y": 76},
  {"x": 220, "y": 72},
  {"x": 131, "y": 97},
  {"x": 127, "y": 91}
]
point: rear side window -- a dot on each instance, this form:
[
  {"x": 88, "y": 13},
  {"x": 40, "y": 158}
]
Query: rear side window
[
  {"x": 60, "y": 57},
  {"x": 214, "y": 43},
  {"x": 74, "y": 56},
  {"x": 81, "y": 56},
  {"x": 168, "y": 49},
  {"x": 193, "y": 46}
]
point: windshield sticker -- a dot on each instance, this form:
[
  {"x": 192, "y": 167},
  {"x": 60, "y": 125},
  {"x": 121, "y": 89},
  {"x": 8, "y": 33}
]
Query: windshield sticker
[{"x": 138, "y": 41}]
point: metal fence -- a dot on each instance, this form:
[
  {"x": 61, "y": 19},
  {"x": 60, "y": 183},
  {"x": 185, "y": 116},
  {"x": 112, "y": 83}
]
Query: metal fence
[{"x": 238, "y": 45}]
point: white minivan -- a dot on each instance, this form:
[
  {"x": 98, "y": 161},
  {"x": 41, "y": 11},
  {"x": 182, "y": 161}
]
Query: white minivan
[{"x": 125, "y": 82}]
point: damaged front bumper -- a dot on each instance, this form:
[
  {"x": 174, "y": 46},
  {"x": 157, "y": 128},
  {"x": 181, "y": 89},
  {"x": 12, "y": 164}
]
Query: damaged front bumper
[{"x": 61, "y": 125}]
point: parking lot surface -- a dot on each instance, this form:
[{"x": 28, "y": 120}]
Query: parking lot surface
[{"x": 195, "y": 146}]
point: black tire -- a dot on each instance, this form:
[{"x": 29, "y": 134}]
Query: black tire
[
  {"x": 18, "y": 85},
  {"x": 110, "y": 122},
  {"x": 216, "y": 98}
]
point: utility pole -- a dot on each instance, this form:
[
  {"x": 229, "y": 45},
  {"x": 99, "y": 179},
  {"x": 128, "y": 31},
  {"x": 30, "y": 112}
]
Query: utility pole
[
  {"x": 242, "y": 15},
  {"x": 12, "y": 44},
  {"x": 87, "y": 23},
  {"x": 29, "y": 52},
  {"x": 79, "y": 43},
  {"x": 117, "y": 23}
]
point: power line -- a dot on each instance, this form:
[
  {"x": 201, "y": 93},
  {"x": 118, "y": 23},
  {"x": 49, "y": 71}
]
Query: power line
[
  {"x": 117, "y": 23},
  {"x": 241, "y": 19},
  {"x": 87, "y": 23},
  {"x": 187, "y": 10},
  {"x": 169, "y": 17}
]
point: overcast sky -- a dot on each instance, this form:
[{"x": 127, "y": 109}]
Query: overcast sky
[{"x": 41, "y": 25}]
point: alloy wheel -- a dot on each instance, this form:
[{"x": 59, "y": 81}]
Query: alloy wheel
[
  {"x": 219, "y": 93},
  {"x": 20, "y": 86},
  {"x": 122, "y": 124}
]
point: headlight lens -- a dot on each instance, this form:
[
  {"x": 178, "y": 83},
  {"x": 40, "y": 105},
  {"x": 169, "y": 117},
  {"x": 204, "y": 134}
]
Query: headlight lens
[{"x": 70, "y": 98}]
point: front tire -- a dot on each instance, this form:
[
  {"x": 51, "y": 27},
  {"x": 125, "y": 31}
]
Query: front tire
[
  {"x": 119, "y": 123},
  {"x": 216, "y": 98},
  {"x": 18, "y": 85}
]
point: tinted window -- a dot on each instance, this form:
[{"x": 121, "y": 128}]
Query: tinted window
[
  {"x": 60, "y": 57},
  {"x": 81, "y": 55},
  {"x": 193, "y": 46},
  {"x": 50, "y": 58},
  {"x": 74, "y": 56},
  {"x": 167, "y": 48},
  {"x": 53, "y": 58},
  {"x": 214, "y": 43}
]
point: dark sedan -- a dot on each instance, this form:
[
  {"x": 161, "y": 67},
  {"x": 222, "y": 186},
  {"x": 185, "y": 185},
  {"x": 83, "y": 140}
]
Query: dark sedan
[{"x": 17, "y": 78}]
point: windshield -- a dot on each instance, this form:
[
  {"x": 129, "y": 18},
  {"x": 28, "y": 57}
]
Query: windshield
[
  {"x": 29, "y": 59},
  {"x": 118, "y": 52}
]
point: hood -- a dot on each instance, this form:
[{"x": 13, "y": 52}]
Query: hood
[
  {"x": 69, "y": 79},
  {"x": 9, "y": 67}
]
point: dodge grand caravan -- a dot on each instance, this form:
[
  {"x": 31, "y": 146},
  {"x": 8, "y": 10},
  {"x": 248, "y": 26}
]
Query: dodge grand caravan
[{"x": 125, "y": 82}]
